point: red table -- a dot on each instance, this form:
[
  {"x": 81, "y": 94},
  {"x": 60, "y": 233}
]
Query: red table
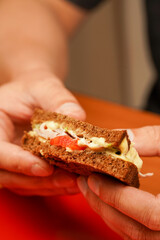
[{"x": 70, "y": 217}]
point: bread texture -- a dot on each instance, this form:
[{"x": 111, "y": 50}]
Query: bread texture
[
  {"x": 79, "y": 127},
  {"x": 82, "y": 162}
]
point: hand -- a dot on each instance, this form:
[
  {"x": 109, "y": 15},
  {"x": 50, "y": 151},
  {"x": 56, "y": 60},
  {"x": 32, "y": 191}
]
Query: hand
[
  {"x": 132, "y": 213},
  {"x": 20, "y": 171},
  {"x": 146, "y": 140}
]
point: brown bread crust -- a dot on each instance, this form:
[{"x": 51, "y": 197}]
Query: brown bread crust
[
  {"x": 83, "y": 162},
  {"x": 81, "y": 128}
]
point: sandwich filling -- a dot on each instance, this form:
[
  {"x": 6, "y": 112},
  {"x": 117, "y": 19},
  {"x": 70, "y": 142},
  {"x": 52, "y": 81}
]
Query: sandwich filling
[{"x": 58, "y": 135}]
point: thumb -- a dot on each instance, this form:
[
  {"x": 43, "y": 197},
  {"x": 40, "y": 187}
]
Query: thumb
[
  {"x": 146, "y": 139},
  {"x": 50, "y": 94}
]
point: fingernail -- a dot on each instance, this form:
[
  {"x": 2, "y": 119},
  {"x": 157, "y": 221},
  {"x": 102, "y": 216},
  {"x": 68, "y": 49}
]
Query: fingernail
[
  {"x": 37, "y": 170},
  {"x": 130, "y": 134},
  {"x": 93, "y": 183},
  {"x": 72, "y": 109},
  {"x": 63, "y": 180},
  {"x": 82, "y": 184}
]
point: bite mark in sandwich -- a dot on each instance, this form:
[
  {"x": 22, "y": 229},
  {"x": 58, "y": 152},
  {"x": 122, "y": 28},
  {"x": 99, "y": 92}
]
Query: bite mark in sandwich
[{"x": 83, "y": 148}]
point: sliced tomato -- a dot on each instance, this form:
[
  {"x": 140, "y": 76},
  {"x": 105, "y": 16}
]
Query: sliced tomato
[
  {"x": 66, "y": 141},
  {"x": 74, "y": 145},
  {"x": 62, "y": 141}
]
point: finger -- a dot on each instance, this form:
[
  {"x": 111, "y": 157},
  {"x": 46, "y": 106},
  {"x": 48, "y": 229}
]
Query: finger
[
  {"x": 146, "y": 140},
  {"x": 59, "y": 179},
  {"x": 110, "y": 216},
  {"x": 62, "y": 178},
  {"x": 135, "y": 203},
  {"x": 38, "y": 90},
  {"x": 6, "y": 127},
  {"x": 46, "y": 192},
  {"x": 13, "y": 158},
  {"x": 122, "y": 224},
  {"x": 15, "y": 101},
  {"x": 50, "y": 94}
]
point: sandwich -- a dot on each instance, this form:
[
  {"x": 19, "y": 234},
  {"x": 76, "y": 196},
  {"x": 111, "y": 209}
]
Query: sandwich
[{"x": 82, "y": 148}]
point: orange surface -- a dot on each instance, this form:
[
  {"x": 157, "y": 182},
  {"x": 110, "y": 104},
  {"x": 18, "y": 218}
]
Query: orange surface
[{"x": 70, "y": 217}]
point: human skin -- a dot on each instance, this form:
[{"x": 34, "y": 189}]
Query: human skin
[
  {"x": 132, "y": 213},
  {"x": 33, "y": 66}
]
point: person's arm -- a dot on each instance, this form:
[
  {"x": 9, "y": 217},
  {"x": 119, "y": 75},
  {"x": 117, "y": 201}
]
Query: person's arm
[
  {"x": 131, "y": 212},
  {"x": 33, "y": 64},
  {"x": 34, "y": 35}
]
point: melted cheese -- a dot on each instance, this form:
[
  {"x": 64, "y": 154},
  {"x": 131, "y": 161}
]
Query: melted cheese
[
  {"x": 124, "y": 146},
  {"x": 94, "y": 143},
  {"x": 131, "y": 156}
]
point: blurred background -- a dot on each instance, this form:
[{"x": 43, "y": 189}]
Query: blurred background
[{"x": 110, "y": 55}]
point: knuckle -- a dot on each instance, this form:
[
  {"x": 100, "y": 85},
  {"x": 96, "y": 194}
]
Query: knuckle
[
  {"x": 16, "y": 165},
  {"x": 137, "y": 233},
  {"x": 95, "y": 203},
  {"x": 113, "y": 199},
  {"x": 130, "y": 231},
  {"x": 155, "y": 135},
  {"x": 155, "y": 130},
  {"x": 151, "y": 217}
]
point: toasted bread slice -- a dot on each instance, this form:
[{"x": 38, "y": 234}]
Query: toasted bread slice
[{"x": 106, "y": 151}]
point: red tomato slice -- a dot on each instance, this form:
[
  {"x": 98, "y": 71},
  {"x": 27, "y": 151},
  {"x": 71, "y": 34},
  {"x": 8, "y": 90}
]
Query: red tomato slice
[
  {"x": 66, "y": 141},
  {"x": 74, "y": 146},
  {"x": 62, "y": 141}
]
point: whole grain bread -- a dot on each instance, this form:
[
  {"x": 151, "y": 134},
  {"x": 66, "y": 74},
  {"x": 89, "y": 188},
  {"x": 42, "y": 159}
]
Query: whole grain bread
[
  {"x": 82, "y": 162},
  {"x": 80, "y": 128}
]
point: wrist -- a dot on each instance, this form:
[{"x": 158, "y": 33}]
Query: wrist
[
  {"x": 35, "y": 75},
  {"x": 32, "y": 71}
]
